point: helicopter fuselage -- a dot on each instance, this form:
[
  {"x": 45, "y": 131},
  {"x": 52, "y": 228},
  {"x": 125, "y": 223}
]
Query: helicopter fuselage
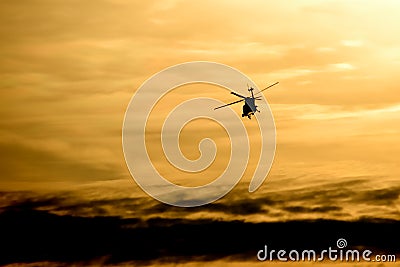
[{"x": 249, "y": 108}]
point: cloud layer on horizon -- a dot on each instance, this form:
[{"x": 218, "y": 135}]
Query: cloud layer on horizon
[{"x": 30, "y": 236}]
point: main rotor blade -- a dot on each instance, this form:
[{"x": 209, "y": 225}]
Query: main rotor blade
[
  {"x": 233, "y": 93},
  {"x": 267, "y": 88},
  {"x": 229, "y": 104}
]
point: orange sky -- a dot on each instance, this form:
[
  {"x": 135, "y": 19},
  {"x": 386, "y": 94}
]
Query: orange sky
[{"x": 68, "y": 70}]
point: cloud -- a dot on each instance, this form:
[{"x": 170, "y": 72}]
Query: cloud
[
  {"x": 343, "y": 66},
  {"x": 115, "y": 225},
  {"x": 322, "y": 209},
  {"x": 36, "y": 236},
  {"x": 22, "y": 163},
  {"x": 352, "y": 43},
  {"x": 230, "y": 208},
  {"x": 281, "y": 199},
  {"x": 326, "y": 112},
  {"x": 384, "y": 197}
]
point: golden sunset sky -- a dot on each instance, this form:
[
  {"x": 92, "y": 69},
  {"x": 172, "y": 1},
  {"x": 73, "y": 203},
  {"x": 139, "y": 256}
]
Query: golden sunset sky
[{"x": 69, "y": 69}]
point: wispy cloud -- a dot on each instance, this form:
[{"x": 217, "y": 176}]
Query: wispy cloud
[
  {"x": 352, "y": 43},
  {"x": 332, "y": 114},
  {"x": 347, "y": 198},
  {"x": 343, "y": 66}
]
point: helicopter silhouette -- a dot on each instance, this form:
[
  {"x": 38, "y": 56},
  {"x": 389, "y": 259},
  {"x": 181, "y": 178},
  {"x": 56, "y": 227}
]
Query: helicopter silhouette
[{"x": 249, "y": 107}]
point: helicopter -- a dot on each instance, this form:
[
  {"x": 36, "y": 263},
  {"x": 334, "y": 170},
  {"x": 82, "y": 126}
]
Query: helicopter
[{"x": 249, "y": 107}]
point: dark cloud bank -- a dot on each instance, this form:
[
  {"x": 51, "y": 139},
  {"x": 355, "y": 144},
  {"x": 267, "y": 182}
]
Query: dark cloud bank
[{"x": 29, "y": 234}]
